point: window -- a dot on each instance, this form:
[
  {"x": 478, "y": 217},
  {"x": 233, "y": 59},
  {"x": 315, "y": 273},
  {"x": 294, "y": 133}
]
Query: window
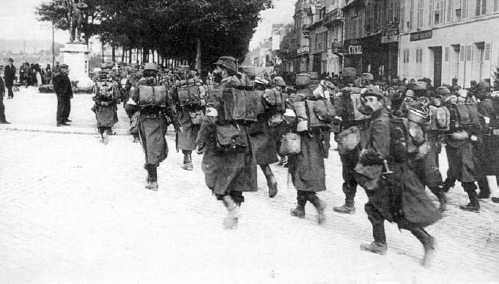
[
  {"x": 468, "y": 53},
  {"x": 464, "y": 12},
  {"x": 411, "y": 14},
  {"x": 370, "y": 18},
  {"x": 419, "y": 55},
  {"x": 406, "y": 56},
  {"x": 420, "y": 13},
  {"x": 481, "y": 7},
  {"x": 496, "y": 5},
  {"x": 487, "y": 51},
  {"x": 437, "y": 19},
  {"x": 461, "y": 52},
  {"x": 446, "y": 54},
  {"x": 449, "y": 11},
  {"x": 430, "y": 12}
]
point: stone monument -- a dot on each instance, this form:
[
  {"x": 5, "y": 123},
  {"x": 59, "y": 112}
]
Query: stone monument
[{"x": 76, "y": 53}]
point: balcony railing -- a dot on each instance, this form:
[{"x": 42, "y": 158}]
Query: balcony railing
[{"x": 333, "y": 16}]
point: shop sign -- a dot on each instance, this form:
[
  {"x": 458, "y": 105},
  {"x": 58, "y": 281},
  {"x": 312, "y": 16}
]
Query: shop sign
[
  {"x": 353, "y": 47},
  {"x": 421, "y": 35},
  {"x": 303, "y": 49},
  {"x": 390, "y": 36}
]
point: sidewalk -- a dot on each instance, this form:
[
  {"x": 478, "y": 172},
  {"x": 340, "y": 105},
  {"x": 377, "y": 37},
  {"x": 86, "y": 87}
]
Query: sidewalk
[
  {"x": 74, "y": 209},
  {"x": 33, "y": 111}
]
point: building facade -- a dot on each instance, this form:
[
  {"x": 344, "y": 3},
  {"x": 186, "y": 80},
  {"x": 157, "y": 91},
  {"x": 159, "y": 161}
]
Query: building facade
[
  {"x": 354, "y": 12},
  {"x": 446, "y": 39}
]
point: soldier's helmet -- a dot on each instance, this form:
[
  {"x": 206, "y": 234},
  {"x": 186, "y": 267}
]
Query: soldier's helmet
[
  {"x": 228, "y": 62},
  {"x": 279, "y": 81},
  {"x": 150, "y": 70}
]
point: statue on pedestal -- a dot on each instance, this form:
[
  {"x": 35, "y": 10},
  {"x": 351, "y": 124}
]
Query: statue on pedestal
[{"x": 76, "y": 11}]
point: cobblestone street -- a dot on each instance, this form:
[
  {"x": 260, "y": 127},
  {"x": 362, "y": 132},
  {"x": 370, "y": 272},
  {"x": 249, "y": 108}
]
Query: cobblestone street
[{"x": 74, "y": 209}]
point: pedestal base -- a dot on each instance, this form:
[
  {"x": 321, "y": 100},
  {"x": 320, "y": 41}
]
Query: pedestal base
[{"x": 77, "y": 56}]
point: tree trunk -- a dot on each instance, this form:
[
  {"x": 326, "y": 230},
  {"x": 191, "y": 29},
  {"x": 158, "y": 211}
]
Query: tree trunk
[
  {"x": 123, "y": 51},
  {"x": 198, "y": 55},
  {"x": 145, "y": 53},
  {"x": 113, "y": 52},
  {"x": 102, "y": 51},
  {"x": 130, "y": 51}
]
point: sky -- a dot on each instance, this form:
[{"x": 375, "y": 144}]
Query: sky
[
  {"x": 282, "y": 13},
  {"x": 19, "y": 21}
]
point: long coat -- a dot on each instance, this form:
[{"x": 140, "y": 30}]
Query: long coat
[
  {"x": 153, "y": 124},
  {"x": 307, "y": 168},
  {"x": 400, "y": 197},
  {"x": 106, "y": 115},
  {"x": 9, "y": 75},
  {"x": 264, "y": 139},
  {"x": 225, "y": 172}
]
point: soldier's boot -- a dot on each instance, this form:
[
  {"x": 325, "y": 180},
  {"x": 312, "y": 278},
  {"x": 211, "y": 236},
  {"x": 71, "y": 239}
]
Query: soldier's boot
[
  {"x": 379, "y": 244},
  {"x": 299, "y": 211},
  {"x": 428, "y": 244},
  {"x": 442, "y": 197},
  {"x": 474, "y": 205},
  {"x": 105, "y": 136},
  {"x": 484, "y": 189},
  {"x": 319, "y": 206},
  {"x": 349, "y": 206},
  {"x": 271, "y": 181},
  {"x": 187, "y": 161},
  {"x": 152, "y": 180},
  {"x": 447, "y": 185},
  {"x": 233, "y": 212}
]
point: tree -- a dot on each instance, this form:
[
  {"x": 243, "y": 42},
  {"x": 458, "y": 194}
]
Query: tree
[
  {"x": 196, "y": 30},
  {"x": 56, "y": 11}
]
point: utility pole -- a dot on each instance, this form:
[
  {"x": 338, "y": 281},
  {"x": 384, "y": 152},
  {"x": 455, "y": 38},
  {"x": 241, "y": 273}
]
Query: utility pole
[{"x": 53, "y": 47}]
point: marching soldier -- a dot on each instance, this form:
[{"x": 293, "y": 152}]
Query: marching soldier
[
  {"x": 307, "y": 167},
  {"x": 385, "y": 193},
  {"x": 228, "y": 163},
  {"x": 460, "y": 153},
  {"x": 156, "y": 113},
  {"x": 186, "y": 95}
]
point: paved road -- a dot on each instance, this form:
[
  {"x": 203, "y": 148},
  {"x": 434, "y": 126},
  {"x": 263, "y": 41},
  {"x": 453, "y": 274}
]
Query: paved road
[{"x": 75, "y": 209}]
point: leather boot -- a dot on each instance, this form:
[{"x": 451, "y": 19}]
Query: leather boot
[
  {"x": 375, "y": 247},
  {"x": 379, "y": 244},
  {"x": 428, "y": 245},
  {"x": 349, "y": 206},
  {"x": 474, "y": 205},
  {"x": 484, "y": 189},
  {"x": 299, "y": 211},
  {"x": 440, "y": 194},
  {"x": 233, "y": 213},
  {"x": 320, "y": 206},
  {"x": 271, "y": 182},
  {"x": 105, "y": 136},
  {"x": 152, "y": 179},
  {"x": 187, "y": 162}
]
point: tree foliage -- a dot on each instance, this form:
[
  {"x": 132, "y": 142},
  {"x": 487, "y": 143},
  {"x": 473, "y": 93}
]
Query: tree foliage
[{"x": 178, "y": 29}]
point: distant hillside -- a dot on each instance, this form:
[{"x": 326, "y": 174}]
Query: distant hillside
[
  {"x": 30, "y": 46},
  {"x": 37, "y": 51}
]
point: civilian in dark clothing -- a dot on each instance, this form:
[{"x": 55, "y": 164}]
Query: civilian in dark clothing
[
  {"x": 2, "y": 106},
  {"x": 62, "y": 87},
  {"x": 10, "y": 75}
]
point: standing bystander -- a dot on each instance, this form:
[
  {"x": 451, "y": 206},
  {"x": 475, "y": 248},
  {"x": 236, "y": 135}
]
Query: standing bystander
[
  {"x": 2, "y": 106},
  {"x": 62, "y": 87},
  {"x": 10, "y": 75}
]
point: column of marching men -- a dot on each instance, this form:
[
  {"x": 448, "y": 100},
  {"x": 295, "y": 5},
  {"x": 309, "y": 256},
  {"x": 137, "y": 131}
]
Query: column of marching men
[{"x": 389, "y": 137}]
